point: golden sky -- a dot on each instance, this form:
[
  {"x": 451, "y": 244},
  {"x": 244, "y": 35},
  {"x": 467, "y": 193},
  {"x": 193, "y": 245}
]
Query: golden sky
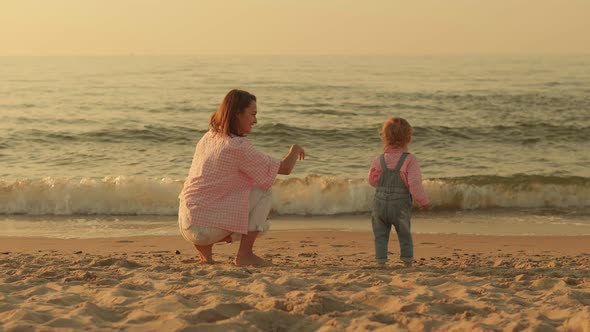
[{"x": 155, "y": 27}]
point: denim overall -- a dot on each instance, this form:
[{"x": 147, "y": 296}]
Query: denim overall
[{"x": 392, "y": 206}]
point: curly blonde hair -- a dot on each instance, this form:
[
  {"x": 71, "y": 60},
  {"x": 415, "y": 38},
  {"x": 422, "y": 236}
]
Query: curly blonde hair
[{"x": 396, "y": 132}]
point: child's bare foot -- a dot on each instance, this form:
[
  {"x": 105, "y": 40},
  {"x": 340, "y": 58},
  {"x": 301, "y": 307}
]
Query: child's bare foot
[
  {"x": 251, "y": 260},
  {"x": 408, "y": 264}
]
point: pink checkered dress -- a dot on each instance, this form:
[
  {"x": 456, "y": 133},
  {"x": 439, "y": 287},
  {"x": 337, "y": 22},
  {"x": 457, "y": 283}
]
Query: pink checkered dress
[{"x": 223, "y": 172}]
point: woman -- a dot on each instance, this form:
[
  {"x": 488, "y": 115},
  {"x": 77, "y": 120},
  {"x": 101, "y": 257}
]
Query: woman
[{"x": 226, "y": 195}]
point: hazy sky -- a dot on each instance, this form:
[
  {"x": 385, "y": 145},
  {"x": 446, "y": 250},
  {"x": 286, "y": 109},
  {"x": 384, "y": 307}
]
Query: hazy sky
[{"x": 120, "y": 27}]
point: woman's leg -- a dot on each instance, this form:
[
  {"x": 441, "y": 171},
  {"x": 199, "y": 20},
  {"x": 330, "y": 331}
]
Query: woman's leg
[
  {"x": 205, "y": 237},
  {"x": 246, "y": 254},
  {"x": 206, "y": 253},
  {"x": 260, "y": 204}
]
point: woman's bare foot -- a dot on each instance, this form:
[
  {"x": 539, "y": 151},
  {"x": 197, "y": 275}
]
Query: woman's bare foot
[
  {"x": 206, "y": 253},
  {"x": 207, "y": 261},
  {"x": 251, "y": 260},
  {"x": 245, "y": 255}
]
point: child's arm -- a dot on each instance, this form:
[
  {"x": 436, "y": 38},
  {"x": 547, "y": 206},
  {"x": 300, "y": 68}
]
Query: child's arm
[
  {"x": 415, "y": 184},
  {"x": 375, "y": 172}
]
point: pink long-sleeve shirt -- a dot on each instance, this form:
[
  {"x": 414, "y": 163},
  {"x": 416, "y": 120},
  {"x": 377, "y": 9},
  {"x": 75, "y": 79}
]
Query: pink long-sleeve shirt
[
  {"x": 223, "y": 172},
  {"x": 410, "y": 173}
]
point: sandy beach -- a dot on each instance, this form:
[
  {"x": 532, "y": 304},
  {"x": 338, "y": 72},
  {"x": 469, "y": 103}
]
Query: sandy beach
[{"x": 321, "y": 281}]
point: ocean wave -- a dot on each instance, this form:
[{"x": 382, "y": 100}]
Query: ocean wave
[
  {"x": 311, "y": 195},
  {"x": 149, "y": 133},
  {"x": 523, "y": 133},
  {"x": 490, "y": 98}
]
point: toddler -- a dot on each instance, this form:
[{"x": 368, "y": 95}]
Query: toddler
[{"x": 396, "y": 176}]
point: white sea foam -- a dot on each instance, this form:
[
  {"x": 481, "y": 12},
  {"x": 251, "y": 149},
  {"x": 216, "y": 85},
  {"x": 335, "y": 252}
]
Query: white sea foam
[{"x": 311, "y": 195}]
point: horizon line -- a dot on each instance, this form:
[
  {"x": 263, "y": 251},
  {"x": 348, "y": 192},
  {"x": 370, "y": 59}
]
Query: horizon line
[{"x": 301, "y": 54}]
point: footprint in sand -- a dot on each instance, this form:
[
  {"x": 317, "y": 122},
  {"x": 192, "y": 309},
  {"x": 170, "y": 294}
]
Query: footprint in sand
[
  {"x": 308, "y": 254},
  {"x": 382, "y": 318},
  {"x": 307, "y": 244},
  {"x": 190, "y": 261},
  {"x": 220, "y": 312}
]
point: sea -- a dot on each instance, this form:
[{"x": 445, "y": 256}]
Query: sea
[{"x": 100, "y": 146}]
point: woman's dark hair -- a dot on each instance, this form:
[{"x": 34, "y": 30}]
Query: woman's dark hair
[{"x": 225, "y": 118}]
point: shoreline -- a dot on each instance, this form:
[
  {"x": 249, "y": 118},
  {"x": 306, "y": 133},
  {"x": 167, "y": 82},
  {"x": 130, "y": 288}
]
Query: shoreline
[
  {"x": 566, "y": 244},
  {"x": 499, "y": 223}
]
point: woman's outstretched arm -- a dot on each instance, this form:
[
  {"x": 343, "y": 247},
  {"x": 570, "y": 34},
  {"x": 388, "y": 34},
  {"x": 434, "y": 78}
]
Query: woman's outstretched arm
[{"x": 295, "y": 153}]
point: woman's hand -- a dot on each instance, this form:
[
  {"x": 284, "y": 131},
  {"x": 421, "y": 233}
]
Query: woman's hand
[
  {"x": 296, "y": 152},
  {"x": 296, "y": 148}
]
